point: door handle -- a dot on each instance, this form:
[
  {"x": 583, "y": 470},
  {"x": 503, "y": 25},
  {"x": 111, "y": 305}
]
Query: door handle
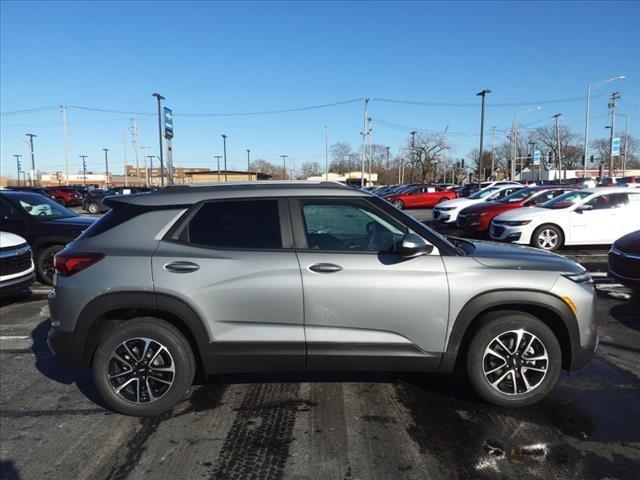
[
  {"x": 325, "y": 268},
  {"x": 181, "y": 267}
]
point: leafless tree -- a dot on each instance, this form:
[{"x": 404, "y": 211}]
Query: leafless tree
[{"x": 310, "y": 169}]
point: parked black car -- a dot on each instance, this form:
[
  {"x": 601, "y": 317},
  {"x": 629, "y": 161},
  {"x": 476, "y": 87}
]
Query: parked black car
[
  {"x": 93, "y": 202},
  {"x": 47, "y": 192},
  {"x": 46, "y": 225},
  {"x": 624, "y": 260}
]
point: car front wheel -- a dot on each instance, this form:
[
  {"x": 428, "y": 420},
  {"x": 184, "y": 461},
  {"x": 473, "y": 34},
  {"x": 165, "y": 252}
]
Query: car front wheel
[
  {"x": 547, "y": 237},
  {"x": 143, "y": 367},
  {"x": 399, "y": 204},
  {"x": 44, "y": 263},
  {"x": 93, "y": 208},
  {"x": 514, "y": 359}
]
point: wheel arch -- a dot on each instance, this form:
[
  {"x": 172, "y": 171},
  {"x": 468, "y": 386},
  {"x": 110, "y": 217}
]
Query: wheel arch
[
  {"x": 549, "y": 224},
  {"x": 548, "y": 308},
  {"x": 109, "y": 310}
]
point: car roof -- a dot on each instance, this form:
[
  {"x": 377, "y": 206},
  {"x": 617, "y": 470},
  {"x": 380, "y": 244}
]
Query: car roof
[
  {"x": 190, "y": 194},
  {"x": 610, "y": 190}
]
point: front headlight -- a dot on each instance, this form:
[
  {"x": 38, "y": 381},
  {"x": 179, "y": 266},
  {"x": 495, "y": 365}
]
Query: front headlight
[
  {"x": 584, "y": 277},
  {"x": 445, "y": 209},
  {"x": 517, "y": 223}
]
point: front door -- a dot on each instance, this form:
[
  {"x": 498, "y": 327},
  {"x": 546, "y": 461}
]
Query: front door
[
  {"x": 600, "y": 223},
  {"x": 233, "y": 263},
  {"x": 366, "y": 307}
]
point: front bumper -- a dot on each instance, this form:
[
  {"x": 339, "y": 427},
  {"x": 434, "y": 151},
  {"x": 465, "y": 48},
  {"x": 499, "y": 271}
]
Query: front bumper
[
  {"x": 16, "y": 284},
  {"x": 503, "y": 233},
  {"x": 580, "y": 356}
]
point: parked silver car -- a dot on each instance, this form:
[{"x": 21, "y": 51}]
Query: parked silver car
[{"x": 306, "y": 276}]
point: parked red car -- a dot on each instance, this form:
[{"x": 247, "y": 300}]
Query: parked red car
[
  {"x": 67, "y": 196},
  {"x": 477, "y": 218},
  {"x": 422, "y": 196}
]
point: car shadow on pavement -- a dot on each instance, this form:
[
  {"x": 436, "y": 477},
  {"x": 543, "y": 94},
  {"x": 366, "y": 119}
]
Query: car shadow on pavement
[
  {"x": 18, "y": 297},
  {"x": 51, "y": 366},
  {"x": 628, "y": 313}
]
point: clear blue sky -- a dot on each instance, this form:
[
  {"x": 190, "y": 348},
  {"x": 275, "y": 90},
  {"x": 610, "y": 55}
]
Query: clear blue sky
[{"x": 236, "y": 57}]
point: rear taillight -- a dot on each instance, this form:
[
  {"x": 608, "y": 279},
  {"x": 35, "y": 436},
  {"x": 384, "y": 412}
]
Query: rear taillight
[{"x": 70, "y": 263}]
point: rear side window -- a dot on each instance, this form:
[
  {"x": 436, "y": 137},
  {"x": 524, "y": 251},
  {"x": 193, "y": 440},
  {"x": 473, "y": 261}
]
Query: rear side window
[{"x": 242, "y": 224}]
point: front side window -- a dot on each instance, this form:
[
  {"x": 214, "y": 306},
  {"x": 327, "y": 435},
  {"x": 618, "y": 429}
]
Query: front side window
[
  {"x": 351, "y": 226},
  {"x": 603, "y": 202},
  {"x": 240, "y": 224},
  {"x": 41, "y": 207}
]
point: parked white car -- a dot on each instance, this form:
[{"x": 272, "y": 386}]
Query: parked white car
[
  {"x": 447, "y": 211},
  {"x": 583, "y": 217},
  {"x": 16, "y": 264}
]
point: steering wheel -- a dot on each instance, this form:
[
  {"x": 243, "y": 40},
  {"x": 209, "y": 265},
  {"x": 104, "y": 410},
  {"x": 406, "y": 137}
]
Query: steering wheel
[{"x": 42, "y": 213}]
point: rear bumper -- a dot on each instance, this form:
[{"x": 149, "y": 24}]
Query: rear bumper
[
  {"x": 14, "y": 285},
  {"x": 67, "y": 346}
]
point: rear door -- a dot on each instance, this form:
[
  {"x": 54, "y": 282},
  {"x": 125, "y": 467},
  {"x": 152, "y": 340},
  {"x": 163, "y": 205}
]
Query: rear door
[
  {"x": 366, "y": 307},
  {"x": 233, "y": 262}
]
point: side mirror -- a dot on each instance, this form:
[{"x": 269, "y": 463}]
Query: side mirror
[
  {"x": 414, "y": 245},
  {"x": 584, "y": 208}
]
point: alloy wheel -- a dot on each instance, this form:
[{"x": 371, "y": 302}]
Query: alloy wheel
[
  {"x": 548, "y": 239},
  {"x": 140, "y": 370},
  {"x": 515, "y": 362}
]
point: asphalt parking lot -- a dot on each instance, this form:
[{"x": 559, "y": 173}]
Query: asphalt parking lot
[{"x": 322, "y": 426}]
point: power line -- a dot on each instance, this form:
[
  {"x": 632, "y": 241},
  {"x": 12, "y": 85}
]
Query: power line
[
  {"x": 469, "y": 104},
  {"x": 28, "y": 110}
]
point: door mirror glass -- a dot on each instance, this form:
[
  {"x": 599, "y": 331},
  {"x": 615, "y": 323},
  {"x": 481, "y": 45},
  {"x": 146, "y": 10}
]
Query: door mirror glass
[{"x": 413, "y": 245}]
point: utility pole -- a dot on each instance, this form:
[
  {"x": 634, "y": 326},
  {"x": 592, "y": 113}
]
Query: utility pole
[
  {"x": 18, "y": 165},
  {"x": 63, "y": 109},
  {"x": 84, "y": 169},
  {"x": 224, "y": 152},
  {"x": 249, "y": 164},
  {"x": 413, "y": 153},
  {"x": 370, "y": 133},
  {"x": 106, "y": 166},
  {"x": 559, "y": 159},
  {"x": 482, "y": 94},
  {"x": 444, "y": 156},
  {"x": 33, "y": 160},
  {"x": 160, "y": 98},
  {"x": 218, "y": 157},
  {"x": 326, "y": 154},
  {"x": 144, "y": 148},
  {"x": 124, "y": 145},
  {"x": 612, "y": 107},
  {"x": 387, "y": 169},
  {"x": 150, "y": 157},
  {"x": 493, "y": 144},
  {"x": 284, "y": 166},
  {"x": 134, "y": 139},
  {"x": 363, "y": 133}
]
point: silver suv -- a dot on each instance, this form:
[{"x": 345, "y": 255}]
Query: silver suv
[{"x": 305, "y": 277}]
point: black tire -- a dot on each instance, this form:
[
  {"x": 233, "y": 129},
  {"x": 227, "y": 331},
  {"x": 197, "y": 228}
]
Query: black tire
[
  {"x": 399, "y": 204},
  {"x": 537, "y": 239},
  {"x": 44, "y": 263},
  {"x": 94, "y": 208},
  {"x": 499, "y": 323},
  {"x": 164, "y": 334}
]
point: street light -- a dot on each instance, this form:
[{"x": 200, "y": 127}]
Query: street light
[
  {"x": 249, "y": 164},
  {"x": 514, "y": 149},
  {"x": 33, "y": 159},
  {"x": 160, "y": 98},
  {"x": 106, "y": 166},
  {"x": 224, "y": 145},
  {"x": 590, "y": 87},
  {"x": 482, "y": 94}
]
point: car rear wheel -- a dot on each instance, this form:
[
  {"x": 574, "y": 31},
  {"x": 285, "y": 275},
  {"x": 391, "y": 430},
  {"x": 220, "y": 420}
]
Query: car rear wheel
[
  {"x": 143, "y": 367},
  {"x": 93, "y": 207},
  {"x": 399, "y": 204},
  {"x": 44, "y": 263},
  {"x": 547, "y": 237},
  {"x": 514, "y": 359}
]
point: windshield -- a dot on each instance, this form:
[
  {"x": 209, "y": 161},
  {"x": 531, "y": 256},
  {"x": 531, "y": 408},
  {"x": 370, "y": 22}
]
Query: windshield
[
  {"x": 483, "y": 193},
  {"x": 566, "y": 200},
  {"x": 518, "y": 195},
  {"x": 41, "y": 207}
]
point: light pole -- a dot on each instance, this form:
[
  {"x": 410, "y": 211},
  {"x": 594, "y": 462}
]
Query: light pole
[
  {"x": 626, "y": 141},
  {"x": 106, "y": 166},
  {"x": 362, "y": 152},
  {"x": 224, "y": 154},
  {"x": 387, "y": 169},
  {"x": 18, "y": 165},
  {"x": 559, "y": 159},
  {"x": 284, "y": 166},
  {"x": 514, "y": 148},
  {"x": 612, "y": 106},
  {"x": 63, "y": 109},
  {"x": 249, "y": 164},
  {"x": 160, "y": 98},
  {"x": 590, "y": 87},
  {"x": 413, "y": 154},
  {"x": 84, "y": 169},
  {"x": 33, "y": 159},
  {"x": 218, "y": 157},
  {"x": 150, "y": 157},
  {"x": 482, "y": 94}
]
